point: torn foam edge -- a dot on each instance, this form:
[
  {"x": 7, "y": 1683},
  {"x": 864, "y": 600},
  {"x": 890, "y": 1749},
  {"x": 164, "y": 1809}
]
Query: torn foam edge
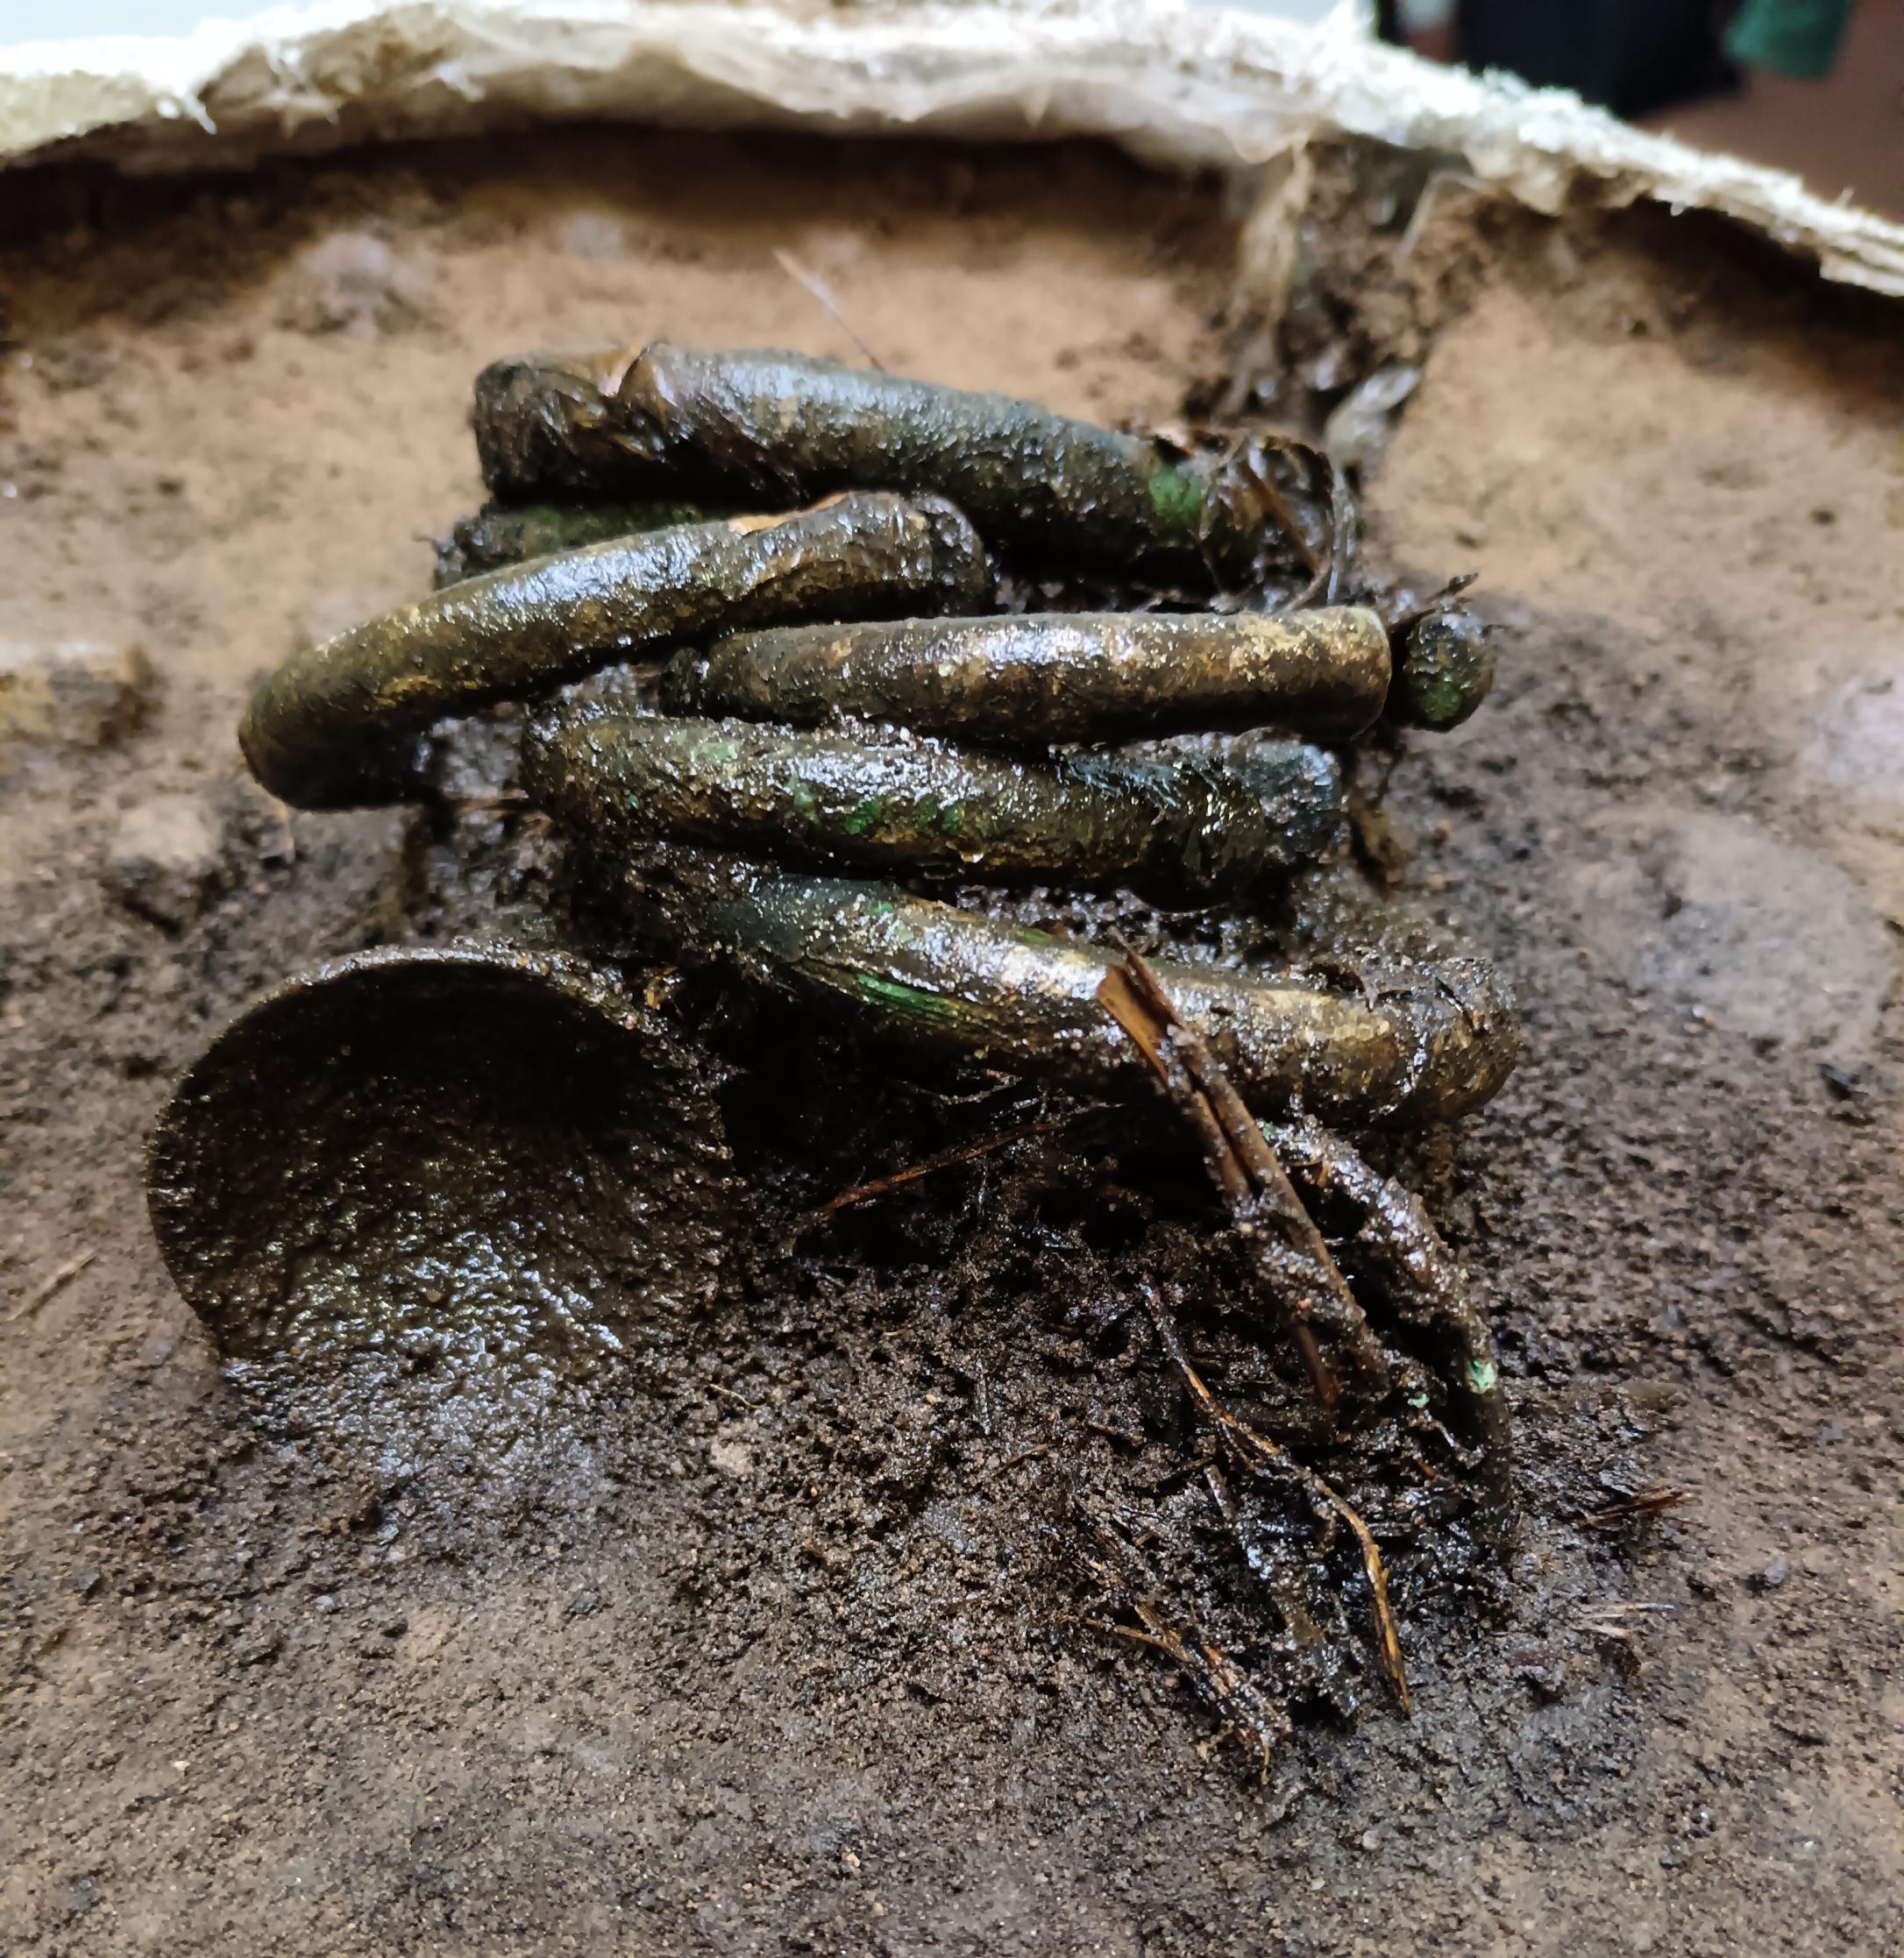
[{"x": 1176, "y": 84}]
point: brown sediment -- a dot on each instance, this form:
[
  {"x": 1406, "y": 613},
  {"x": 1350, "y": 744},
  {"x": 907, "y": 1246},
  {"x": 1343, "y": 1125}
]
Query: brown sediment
[
  {"x": 782, "y": 425},
  {"x": 895, "y": 802},
  {"x": 1054, "y": 677},
  {"x": 339, "y": 723}
]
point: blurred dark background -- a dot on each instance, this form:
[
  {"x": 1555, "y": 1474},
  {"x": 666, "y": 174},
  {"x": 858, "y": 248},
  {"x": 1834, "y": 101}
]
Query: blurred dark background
[{"x": 1814, "y": 86}]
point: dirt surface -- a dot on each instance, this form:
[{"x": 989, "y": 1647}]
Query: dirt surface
[{"x": 769, "y": 1649}]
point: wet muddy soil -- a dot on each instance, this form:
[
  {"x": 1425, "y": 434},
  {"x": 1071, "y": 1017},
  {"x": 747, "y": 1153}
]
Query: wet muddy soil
[{"x": 768, "y": 1638}]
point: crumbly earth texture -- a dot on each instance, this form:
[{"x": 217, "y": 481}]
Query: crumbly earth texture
[{"x": 771, "y": 1643}]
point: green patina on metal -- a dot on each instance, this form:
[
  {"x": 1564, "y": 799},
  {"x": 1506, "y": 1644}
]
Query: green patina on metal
[
  {"x": 1157, "y": 819},
  {"x": 1179, "y": 499},
  {"x": 909, "y": 1000},
  {"x": 1444, "y": 669}
]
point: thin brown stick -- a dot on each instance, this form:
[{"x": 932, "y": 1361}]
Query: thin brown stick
[
  {"x": 1124, "y": 999},
  {"x": 1325, "y": 579},
  {"x": 1109, "y": 1626},
  {"x": 1434, "y": 602},
  {"x": 1024, "y": 1455},
  {"x": 1645, "y": 1502},
  {"x": 55, "y": 1281},
  {"x": 948, "y": 1159},
  {"x": 1341, "y": 527},
  {"x": 1269, "y": 493},
  {"x": 1292, "y": 1258},
  {"x": 505, "y": 799},
  {"x": 1256, "y": 1723},
  {"x": 822, "y": 295},
  {"x": 727, "y": 1394},
  {"x": 1262, "y": 1456}
]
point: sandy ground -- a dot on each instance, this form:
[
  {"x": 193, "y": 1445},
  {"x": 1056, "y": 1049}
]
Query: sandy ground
[{"x": 258, "y": 1691}]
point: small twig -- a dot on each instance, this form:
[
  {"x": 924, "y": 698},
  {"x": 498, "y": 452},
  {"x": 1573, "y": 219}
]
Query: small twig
[
  {"x": 1113, "y": 1630},
  {"x": 1258, "y": 1453},
  {"x": 1131, "y": 999},
  {"x": 1252, "y": 454},
  {"x": 1256, "y": 1723},
  {"x": 1341, "y": 527},
  {"x": 1436, "y": 602},
  {"x": 1379, "y": 794},
  {"x": 1290, "y": 1257},
  {"x": 1603, "y": 1622},
  {"x": 1024, "y": 1455},
  {"x": 38, "y": 1296},
  {"x": 1325, "y": 581},
  {"x": 1432, "y": 192},
  {"x": 862, "y": 1193},
  {"x": 822, "y": 297},
  {"x": 727, "y": 1394},
  {"x": 509, "y": 800},
  {"x": 1645, "y": 1502}
]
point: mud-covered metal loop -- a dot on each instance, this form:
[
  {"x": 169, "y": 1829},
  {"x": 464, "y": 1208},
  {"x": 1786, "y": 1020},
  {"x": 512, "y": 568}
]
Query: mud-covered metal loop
[
  {"x": 1029, "y": 680},
  {"x": 1443, "y": 658},
  {"x": 343, "y": 722},
  {"x": 1415, "y": 1043},
  {"x": 783, "y": 426},
  {"x": 498, "y": 535},
  {"x": 1444, "y": 669},
  {"x": 424, "y": 1144},
  {"x": 546, "y": 422},
  {"x": 1183, "y": 828}
]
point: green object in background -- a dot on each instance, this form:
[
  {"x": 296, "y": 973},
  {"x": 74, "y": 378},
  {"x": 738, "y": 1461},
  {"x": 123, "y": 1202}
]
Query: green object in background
[{"x": 1794, "y": 38}]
